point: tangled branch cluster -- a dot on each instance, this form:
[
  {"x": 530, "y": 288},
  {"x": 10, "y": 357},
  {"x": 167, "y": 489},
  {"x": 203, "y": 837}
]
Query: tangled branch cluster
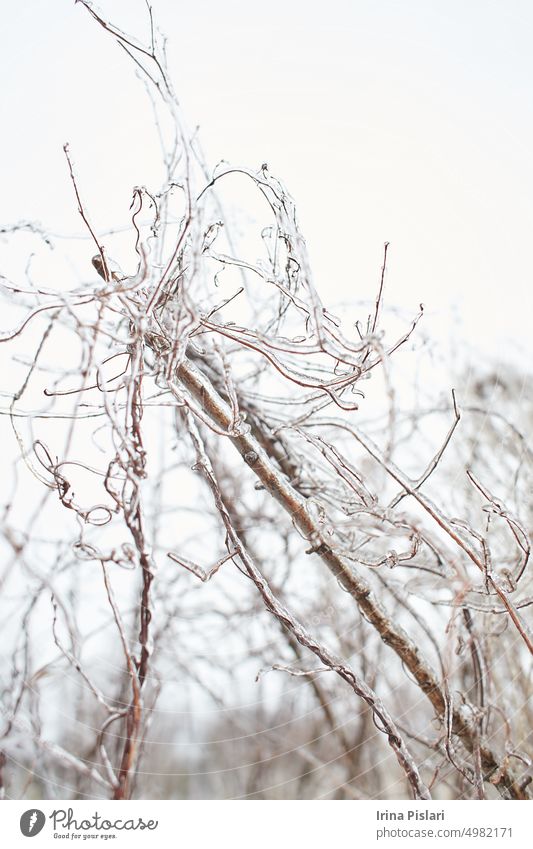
[{"x": 228, "y": 396}]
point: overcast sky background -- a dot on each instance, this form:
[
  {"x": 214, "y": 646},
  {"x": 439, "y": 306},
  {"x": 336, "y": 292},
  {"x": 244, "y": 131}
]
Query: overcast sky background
[
  {"x": 403, "y": 121},
  {"x": 408, "y": 121}
]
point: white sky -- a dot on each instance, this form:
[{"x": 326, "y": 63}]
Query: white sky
[{"x": 401, "y": 120}]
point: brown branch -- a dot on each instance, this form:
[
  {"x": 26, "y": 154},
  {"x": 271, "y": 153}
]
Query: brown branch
[{"x": 392, "y": 635}]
